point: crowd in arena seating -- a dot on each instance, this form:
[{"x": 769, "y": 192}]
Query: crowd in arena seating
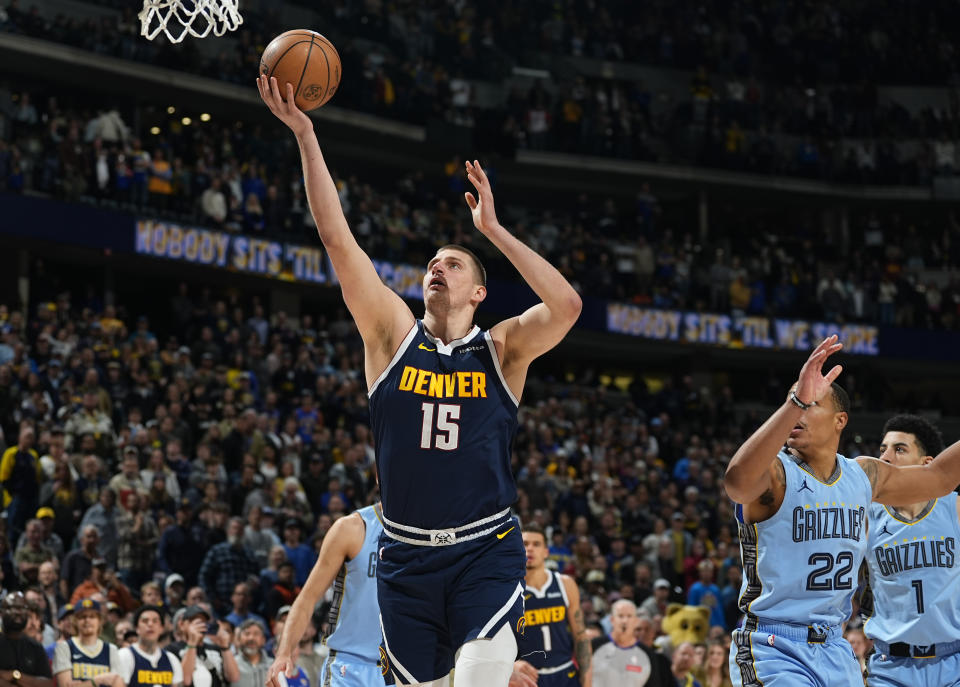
[
  {"x": 884, "y": 269},
  {"x": 204, "y": 465},
  {"x": 766, "y": 95}
]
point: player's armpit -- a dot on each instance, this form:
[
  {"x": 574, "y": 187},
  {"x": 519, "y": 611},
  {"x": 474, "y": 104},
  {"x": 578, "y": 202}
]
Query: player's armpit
[
  {"x": 381, "y": 316},
  {"x": 769, "y": 500},
  {"x": 871, "y": 467},
  {"x": 535, "y": 331}
]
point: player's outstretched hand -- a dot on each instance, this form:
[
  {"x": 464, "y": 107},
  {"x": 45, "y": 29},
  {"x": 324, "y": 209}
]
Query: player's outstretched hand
[
  {"x": 813, "y": 385},
  {"x": 285, "y": 110},
  {"x": 481, "y": 205},
  {"x": 524, "y": 675},
  {"x": 285, "y": 665}
]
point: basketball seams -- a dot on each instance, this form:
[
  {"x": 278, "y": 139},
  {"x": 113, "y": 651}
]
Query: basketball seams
[
  {"x": 326, "y": 88},
  {"x": 306, "y": 63},
  {"x": 332, "y": 47},
  {"x": 276, "y": 62}
]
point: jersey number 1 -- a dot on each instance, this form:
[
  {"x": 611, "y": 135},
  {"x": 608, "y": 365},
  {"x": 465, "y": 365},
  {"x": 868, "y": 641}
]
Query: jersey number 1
[{"x": 447, "y": 434}]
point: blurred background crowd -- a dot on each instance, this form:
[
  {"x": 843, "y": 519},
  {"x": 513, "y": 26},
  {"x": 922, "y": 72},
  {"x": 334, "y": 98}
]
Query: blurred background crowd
[
  {"x": 787, "y": 88},
  {"x": 188, "y": 444},
  {"x": 204, "y": 465},
  {"x": 895, "y": 268}
]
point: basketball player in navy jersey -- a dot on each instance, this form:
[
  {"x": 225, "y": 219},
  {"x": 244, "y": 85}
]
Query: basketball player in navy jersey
[
  {"x": 86, "y": 658},
  {"x": 914, "y": 573},
  {"x": 554, "y": 634},
  {"x": 348, "y": 558},
  {"x": 443, "y": 405},
  {"x": 802, "y": 514},
  {"x": 144, "y": 663}
]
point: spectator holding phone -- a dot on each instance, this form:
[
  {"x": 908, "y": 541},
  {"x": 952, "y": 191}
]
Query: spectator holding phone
[{"x": 204, "y": 649}]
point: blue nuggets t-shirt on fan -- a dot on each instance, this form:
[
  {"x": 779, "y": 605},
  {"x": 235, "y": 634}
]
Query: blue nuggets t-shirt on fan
[{"x": 444, "y": 421}]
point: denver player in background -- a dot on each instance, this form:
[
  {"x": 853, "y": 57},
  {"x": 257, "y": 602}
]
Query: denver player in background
[
  {"x": 554, "y": 634},
  {"x": 86, "y": 658},
  {"x": 443, "y": 407},
  {"x": 914, "y": 575}
]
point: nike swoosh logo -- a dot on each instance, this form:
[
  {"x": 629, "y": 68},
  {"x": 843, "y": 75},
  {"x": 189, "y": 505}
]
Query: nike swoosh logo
[
  {"x": 526, "y": 597},
  {"x": 572, "y": 673},
  {"x": 424, "y": 347},
  {"x": 504, "y": 534}
]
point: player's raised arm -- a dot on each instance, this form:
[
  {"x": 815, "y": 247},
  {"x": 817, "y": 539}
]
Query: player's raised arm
[
  {"x": 541, "y": 327},
  {"x": 753, "y": 473},
  {"x": 898, "y": 485},
  {"x": 343, "y": 541},
  {"x": 381, "y": 315}
]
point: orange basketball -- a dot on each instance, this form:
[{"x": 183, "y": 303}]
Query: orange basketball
[{"x": 307, "y": 60}]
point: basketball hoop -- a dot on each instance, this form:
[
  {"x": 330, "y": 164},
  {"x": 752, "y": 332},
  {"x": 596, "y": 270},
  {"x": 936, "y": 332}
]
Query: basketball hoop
[{"x": 177, "y": 18}]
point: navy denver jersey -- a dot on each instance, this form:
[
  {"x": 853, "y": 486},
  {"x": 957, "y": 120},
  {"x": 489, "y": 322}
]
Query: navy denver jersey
[
  {"x": 443, "y": 422},
  {"x": 85, "y": 664},
  {"x": 546, "y": 640},
  {"x": 915, "y": 574},
  {"x": 146, "y": 674}
]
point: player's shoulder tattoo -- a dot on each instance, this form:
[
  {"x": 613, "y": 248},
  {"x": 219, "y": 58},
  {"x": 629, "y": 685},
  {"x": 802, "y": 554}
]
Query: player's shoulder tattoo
[
  {"x": 779, "y": 473},
  {"x": 870, "y": 466},
  {"x": 768, "y": 498}
]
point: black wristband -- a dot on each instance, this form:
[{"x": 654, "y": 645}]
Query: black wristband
[{"x": 800, "y": 404}]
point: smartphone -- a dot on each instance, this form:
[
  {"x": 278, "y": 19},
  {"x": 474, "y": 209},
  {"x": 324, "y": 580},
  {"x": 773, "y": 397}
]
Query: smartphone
[{"x": 213, "y": 628}]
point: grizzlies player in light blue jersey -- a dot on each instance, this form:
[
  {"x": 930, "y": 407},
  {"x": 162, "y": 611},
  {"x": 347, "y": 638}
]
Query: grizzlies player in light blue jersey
[
  {"x": 914, "y": 574},
  {"x": 348, "y": 560},
  {"x": 802, "y": 516},
  {"x": 443, "y": 408}
]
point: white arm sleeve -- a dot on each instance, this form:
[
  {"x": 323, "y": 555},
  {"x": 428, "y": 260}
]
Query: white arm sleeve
[
  {"x": 125, "y": 664},
  {"x": 115, "y": 664},
  {"x": 177, "y": 668},
  {"x": 61, "y": 658}
]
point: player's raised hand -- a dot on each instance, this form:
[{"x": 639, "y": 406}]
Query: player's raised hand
[
  {"x": 481, "y": 205},
  {"x": 285, "y": 110},
  {"x": 813, "y": 385}
]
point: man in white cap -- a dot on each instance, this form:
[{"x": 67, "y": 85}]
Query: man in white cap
[
  {"x": 173, "y": 589},
  {"x": 656, "y": 604}
]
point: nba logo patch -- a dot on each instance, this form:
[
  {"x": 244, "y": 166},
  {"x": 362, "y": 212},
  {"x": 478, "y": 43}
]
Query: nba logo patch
[{"x": 771, "y": 639}]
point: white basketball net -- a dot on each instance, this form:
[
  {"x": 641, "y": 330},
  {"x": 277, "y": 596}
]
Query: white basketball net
[{"x": 198, "y": 18}]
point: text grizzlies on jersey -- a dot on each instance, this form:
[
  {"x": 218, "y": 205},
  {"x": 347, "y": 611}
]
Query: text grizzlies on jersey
[
  {"x": 897, "y": 558},
  {"x": 828, "y": 523}
]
